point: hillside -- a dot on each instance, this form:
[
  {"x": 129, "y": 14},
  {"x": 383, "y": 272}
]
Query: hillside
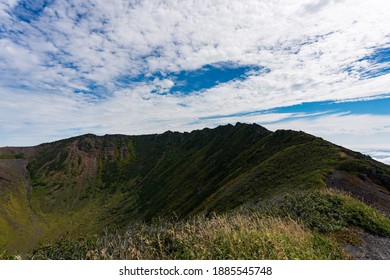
[{"x": 82, "y": 185}]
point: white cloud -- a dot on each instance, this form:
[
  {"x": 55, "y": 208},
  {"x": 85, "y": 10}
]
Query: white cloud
[
  {"x": 342, "y": 124},
  {"x": 380, "y": 155},
  {"x": 316, "y": 6},
  {"x": 6, "y": 5},
  {"x": 109, "y": 38}
]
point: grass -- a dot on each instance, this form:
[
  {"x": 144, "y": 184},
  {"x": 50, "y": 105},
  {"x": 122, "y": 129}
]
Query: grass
[
  {"x": 306, "y": 225},
  {"x": 325, "y": 212},
  {"x": 17, "y": 225},
  {"x": 4, "y": 255},
  {"x": 12, "y": 156},
  {"x": 220, "y": 237}
]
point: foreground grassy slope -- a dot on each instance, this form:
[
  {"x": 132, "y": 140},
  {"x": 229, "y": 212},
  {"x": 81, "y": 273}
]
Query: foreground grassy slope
[
  {"x": 307, "y": 225},
  {"x": 84, "y": 184},
  {"x": 221, "y": 237}
]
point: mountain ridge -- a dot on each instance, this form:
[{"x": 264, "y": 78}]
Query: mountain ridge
[{"x": 82, "y": 184}]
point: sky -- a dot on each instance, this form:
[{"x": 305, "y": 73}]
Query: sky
[{"x": 138, "y": 67}]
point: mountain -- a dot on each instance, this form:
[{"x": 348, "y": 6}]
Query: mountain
[{"x": 84, "y": 184}]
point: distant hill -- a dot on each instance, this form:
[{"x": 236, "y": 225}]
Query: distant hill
[{"x": 85, "y": 184}]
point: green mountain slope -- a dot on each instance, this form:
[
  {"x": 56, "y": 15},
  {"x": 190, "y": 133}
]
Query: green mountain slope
[{"x": 83, "y": 184}]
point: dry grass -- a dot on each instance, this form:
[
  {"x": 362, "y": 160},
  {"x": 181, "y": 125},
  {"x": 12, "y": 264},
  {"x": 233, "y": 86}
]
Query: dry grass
[
  {"x": 308, "y": 225},
  {"x": 220, "y": 237}
]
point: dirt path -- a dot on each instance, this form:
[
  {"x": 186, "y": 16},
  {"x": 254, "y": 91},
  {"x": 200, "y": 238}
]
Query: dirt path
[
  {"x": 373, "y": 248},
  {"x": 365, "y": 190}
]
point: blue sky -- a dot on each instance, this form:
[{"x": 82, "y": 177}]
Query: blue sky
[{"x": 135, "y": 67}]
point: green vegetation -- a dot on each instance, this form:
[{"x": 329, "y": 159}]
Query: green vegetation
[
  {"x": 5, "y": 256},
  {"x": 325, "y": 212},
  {"x": 220, "y": 237},
  {"x": 305, "y": 226},
  {"x": 79, "y": 186},
  {"x": 311, "y": 225},
  {"x": 12, "y": 156}
]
